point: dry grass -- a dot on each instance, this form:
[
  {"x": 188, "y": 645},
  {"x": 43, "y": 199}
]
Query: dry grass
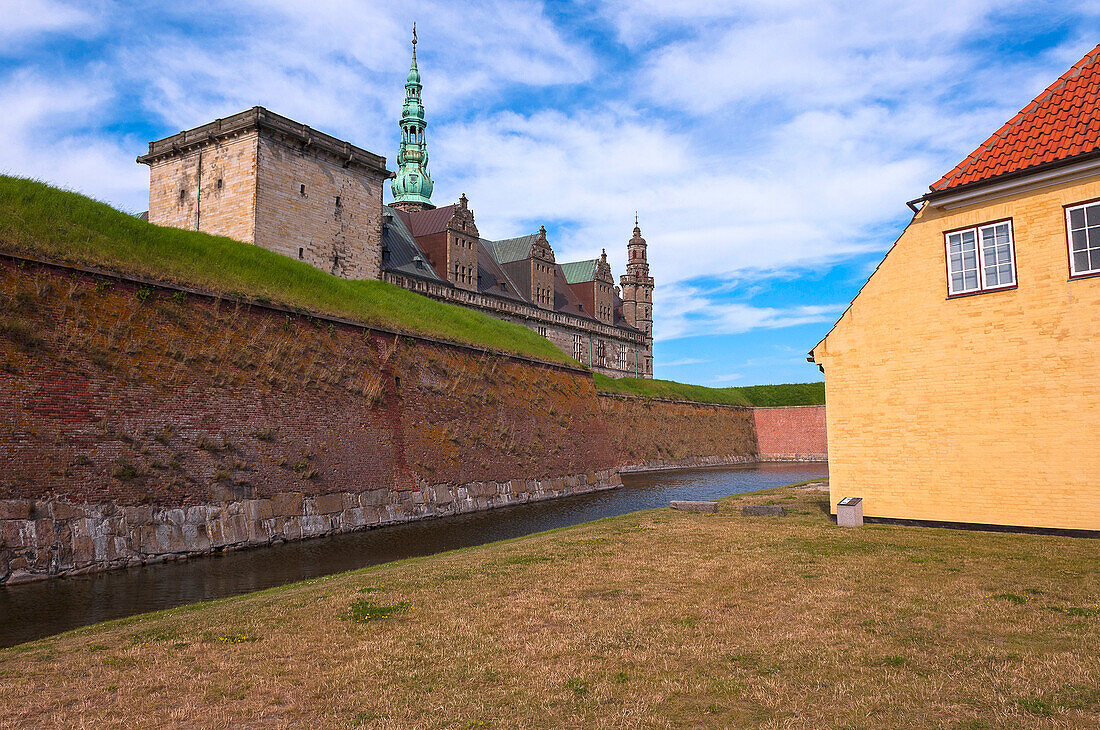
[{"x": 656, "y": 620}]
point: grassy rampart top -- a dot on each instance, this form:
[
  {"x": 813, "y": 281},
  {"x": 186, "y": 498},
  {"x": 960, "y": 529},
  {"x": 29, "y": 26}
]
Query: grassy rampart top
[
  {"x": 785, "y": 394},
  {"x": 40, "y": 221}
]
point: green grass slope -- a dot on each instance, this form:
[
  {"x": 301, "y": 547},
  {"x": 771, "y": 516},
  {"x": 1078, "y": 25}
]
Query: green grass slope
[
  {"x": 41, "y": 221},
  {"x": 786, "y": 394}
]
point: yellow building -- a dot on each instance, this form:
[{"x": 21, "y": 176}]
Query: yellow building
[{"x": 963, "y": 382}]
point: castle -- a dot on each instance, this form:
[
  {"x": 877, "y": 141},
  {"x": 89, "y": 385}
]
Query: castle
[{"x": 261, "y": 178}]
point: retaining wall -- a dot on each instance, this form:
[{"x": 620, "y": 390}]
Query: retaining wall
[
  {"x": 140, "y": 423},
  {"x": 791, "y": 433}
]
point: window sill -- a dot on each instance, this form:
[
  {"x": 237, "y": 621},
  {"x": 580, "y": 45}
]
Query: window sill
[
  {"x": 1089, "y": 275},
  {"x": 982, "y": 291}
]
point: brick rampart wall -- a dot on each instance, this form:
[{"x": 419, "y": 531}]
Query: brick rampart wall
[
  {"x": 138, "y": 423},
  {"x": 653, "y": 434},
  {"x": 791, "y": 433}
]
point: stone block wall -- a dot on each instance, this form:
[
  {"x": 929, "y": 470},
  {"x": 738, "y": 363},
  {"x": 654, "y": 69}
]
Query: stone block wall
[
  {"x": 218, "y": 182},
  {"x": 791, "y": 433},
  {"x": 298, "y": 214}
]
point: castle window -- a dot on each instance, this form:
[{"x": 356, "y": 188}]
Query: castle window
[
  {"x": 578, "y": 347},
  {"x": 980, "y": 259},
  {"x": 301, "y": 252},
  {"x": 337, "y": 201},
  {"x": 218, "y": 184},
  {"x": 1083, "y": 222},
  {"x": 302, "y": 189},
  {"x": 183, "y": 194}
]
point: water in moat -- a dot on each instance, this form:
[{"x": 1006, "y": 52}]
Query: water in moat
[{"x": 35, "y": 610}]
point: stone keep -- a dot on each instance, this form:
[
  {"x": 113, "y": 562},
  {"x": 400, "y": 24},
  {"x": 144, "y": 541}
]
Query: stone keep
[{"x": 264, "y": 179}]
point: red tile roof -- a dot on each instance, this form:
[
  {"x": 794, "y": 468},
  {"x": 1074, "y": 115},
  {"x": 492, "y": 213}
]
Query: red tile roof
[{"x": 1060, "y": 123}]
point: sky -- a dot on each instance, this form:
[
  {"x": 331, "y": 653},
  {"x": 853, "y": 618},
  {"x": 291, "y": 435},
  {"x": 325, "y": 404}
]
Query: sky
[{"x": 768, "y": 146}]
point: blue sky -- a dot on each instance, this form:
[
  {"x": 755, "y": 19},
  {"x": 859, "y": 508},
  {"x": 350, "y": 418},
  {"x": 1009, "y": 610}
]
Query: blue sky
[{"x": 769, "y": 147}]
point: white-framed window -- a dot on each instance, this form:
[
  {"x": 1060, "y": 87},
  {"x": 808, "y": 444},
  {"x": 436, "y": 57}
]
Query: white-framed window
[
  {"x": 578, "y": 347},
  {"x": 982, "y": 258},
  {"x": 1083, "y": 228}
]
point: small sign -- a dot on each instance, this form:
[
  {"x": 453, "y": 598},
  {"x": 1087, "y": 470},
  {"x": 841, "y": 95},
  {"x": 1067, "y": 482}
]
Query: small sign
[{"x": 848, "y": 501}]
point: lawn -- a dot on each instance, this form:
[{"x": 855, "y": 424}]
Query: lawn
[
  {"x": 656, "y": 619},
  {"x": 41, "y": 221},
  {"x": 784, "y": 394}
]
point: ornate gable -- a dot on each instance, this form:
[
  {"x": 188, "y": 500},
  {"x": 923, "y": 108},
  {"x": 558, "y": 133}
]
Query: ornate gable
[
  {"x": 462, "y": 219},
  {"x": 540, "y": 247}
]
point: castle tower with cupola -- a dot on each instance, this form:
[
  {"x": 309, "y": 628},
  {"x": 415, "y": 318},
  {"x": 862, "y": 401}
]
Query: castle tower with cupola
[
  {"x": 637, "y": 290},
  {"x": 412, "y": 186}
]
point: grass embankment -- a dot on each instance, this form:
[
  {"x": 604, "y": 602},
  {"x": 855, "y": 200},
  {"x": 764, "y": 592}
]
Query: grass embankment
[
  {"x": 786, "y": 394},
  {"x": 658, "y": 619},
  {"x": 41, "y": 221}
]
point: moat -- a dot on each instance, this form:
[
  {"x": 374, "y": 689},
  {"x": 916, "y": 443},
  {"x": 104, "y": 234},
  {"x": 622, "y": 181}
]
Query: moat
[{"x": 35, "y": 610}]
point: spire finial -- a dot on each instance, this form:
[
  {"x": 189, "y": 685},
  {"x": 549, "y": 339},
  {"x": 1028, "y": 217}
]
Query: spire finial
[
  {"x": 635, "y": 219},
  {"x": 414, "y": 36}
]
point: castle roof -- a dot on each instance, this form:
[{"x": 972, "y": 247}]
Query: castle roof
[
  {"x": 401, "y": 249},
  {"x": 428, "y": 222},
  {"x": 513, "y": 249},
  {"x": 491, "y": 277},
  {"x": 1061, "y": 123},
  {"x": 577, "y": 272},
  {"x": 565, "y": 299}
]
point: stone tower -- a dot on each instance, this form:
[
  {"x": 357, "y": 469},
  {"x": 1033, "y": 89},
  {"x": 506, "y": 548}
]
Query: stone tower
[
  {"x": 412, "y": 186},
  {"x": 637, "y": 290}
]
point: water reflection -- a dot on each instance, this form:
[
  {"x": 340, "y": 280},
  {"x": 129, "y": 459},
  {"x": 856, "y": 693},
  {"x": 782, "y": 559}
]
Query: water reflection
[{"x": 40, "y": 609}]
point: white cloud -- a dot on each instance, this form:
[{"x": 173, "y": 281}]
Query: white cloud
[
  {"x": 684, "y": 361},
  {"x": 757, "y": 138},
  {"x": 690, "y": 311},
  {"x": 25, "y": 20},
  {"x": 40, "y": 127}
]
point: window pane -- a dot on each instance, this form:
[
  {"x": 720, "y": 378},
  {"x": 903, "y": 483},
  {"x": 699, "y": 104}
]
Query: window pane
[
  {"x": 1080, "y": 240},
  {"x": 991, "y": 278},
  {"x": 956, "y": 282},
  {"x": 970, "y": 279},
  {"x": 1094, "y": 237},
  {"x": 956, "y": 261},
  {"x": 1095, "y": 255},
  {"x": 970, "y": 259},
  {"x": 1092, "y": 215},
  {"x": 1006, "y": 274},
  {"x": 1077, "y": 218},
  {"x": 968, "y": 237},
  {"x": 1080, "y": 262}
]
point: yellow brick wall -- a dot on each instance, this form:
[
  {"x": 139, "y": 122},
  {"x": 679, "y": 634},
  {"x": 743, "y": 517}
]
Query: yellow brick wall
[
  {"x": 226, "y": 210},
  {"x": 981, "y": 409}
]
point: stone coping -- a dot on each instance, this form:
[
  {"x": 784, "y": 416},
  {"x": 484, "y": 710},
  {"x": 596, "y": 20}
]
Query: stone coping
[{"x": 260, "y": 118}]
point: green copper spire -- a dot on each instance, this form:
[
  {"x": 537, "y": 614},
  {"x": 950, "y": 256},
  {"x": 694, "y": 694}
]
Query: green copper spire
[{"x": 413, "y": 184}]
